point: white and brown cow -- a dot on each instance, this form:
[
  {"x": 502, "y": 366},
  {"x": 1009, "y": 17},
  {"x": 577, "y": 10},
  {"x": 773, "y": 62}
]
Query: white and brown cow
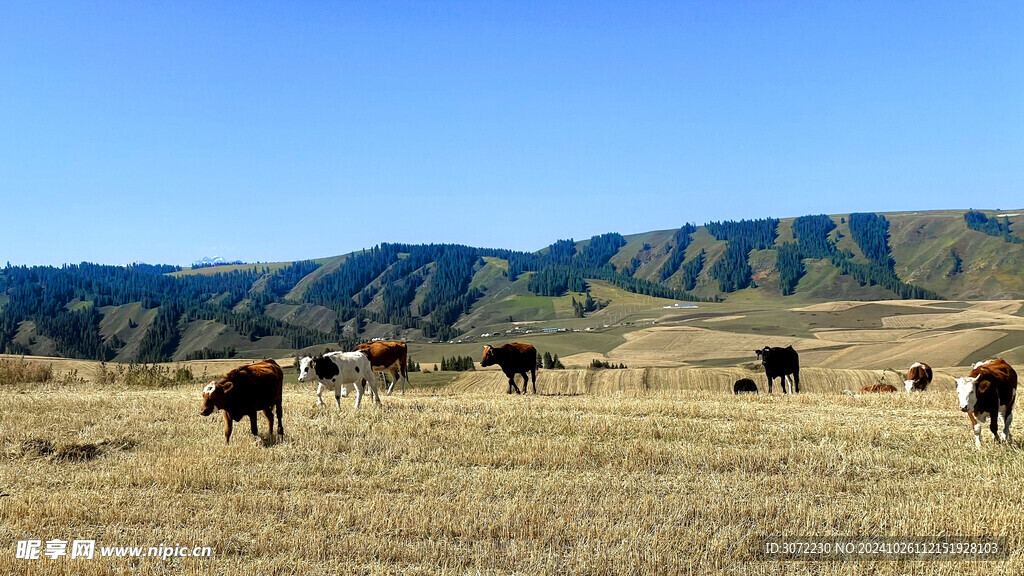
[
  {"x": 989, "y": 391},
  {"x": 334, "y": 370},
  {"x": 388, "y": 356},
  {"x": 918, "y": 377}
]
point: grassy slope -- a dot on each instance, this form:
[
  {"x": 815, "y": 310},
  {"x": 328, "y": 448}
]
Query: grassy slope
[
  {"x": 306, "y": 315},
  {"x": 328, "y": 265},
  {"x": 992, "y": 269},
  {"x": 118, "y": 320},
  {"x": 438, "y": 483},
  {"x": 212, "y": 270},
  {"x": 922, "y": 245}
]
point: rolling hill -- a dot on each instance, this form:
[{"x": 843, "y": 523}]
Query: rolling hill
[{"x": 450, "y": 293}]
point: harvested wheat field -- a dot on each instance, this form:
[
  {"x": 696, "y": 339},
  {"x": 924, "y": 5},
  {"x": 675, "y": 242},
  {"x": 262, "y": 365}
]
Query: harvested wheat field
[
  {"x": 453, "y": 481},
  {"x": 639, "y": 380}
]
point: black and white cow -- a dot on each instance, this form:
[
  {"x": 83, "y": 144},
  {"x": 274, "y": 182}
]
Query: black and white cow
[
  {"x": 781, "y": 363},
  {"x": 338, "y": 369}
]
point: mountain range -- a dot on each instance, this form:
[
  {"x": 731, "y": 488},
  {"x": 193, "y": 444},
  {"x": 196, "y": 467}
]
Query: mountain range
[{"x": 439, "y": 292}]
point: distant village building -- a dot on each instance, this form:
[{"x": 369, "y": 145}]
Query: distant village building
[{"x": 679, "y": 305}]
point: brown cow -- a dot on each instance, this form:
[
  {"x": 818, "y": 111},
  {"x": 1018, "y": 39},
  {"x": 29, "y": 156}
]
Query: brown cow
[
  {"x": 388, "y": 356},
  {"x": 879, "y": 388},
  {"x": 514, "y": 358},
  {"x": 245, "y": 391},
  {"x": 989, "y": 391},
  {"x": 918, "y": 377}
]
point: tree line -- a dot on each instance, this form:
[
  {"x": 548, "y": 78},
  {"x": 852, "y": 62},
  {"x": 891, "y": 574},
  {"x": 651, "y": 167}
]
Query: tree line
[
  {"x": 991, "y": 226},
  {"x": 733, "y": 270},
  {"x": 870, "y": 232}
]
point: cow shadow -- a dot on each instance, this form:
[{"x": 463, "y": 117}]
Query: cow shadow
[{"x": 270, "y": 441}]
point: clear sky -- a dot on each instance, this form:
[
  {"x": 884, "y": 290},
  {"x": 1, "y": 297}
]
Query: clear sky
[{"x": 167, "y": 131}]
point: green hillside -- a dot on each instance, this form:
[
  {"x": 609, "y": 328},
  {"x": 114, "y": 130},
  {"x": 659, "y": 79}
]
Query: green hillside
[{"x": 428, "y": 293}]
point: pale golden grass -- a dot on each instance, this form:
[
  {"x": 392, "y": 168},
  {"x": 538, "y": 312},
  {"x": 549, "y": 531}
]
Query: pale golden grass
[
  {"x": 865, "y": 336},
  {"x": 984, "y": 314},
  {"x": 725, "y": 318},
  {"x": 939, "y": 349},
  {"x": 999, "y": 306},
  {"x": 682, "y": 344},
  {"x": 642, "y": 483},
  {"x": 839, "y": 306},
  {"x": 643, "y": 380}
]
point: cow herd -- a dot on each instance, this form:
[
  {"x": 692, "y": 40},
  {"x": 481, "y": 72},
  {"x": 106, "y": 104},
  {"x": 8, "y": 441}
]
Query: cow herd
[{"x": 987, "y": 393}]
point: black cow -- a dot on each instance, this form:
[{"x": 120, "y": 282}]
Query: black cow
[
  {"x": 780, "y": 363},
  {"x": 744, "y": 386},
  {"x": 514, "y": 358}
]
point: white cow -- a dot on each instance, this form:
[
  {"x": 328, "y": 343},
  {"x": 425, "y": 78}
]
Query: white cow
[{"x": 338, "y": 369}]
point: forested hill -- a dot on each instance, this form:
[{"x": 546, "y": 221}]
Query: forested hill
[{"x": 436, "y": 292}]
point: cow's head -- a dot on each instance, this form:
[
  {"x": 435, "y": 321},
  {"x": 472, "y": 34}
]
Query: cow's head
[
  {"x": 488, "y": 359},
  {"x": 215, "y": 396},
  {"x": 305, "y": 369},
  {"x": 967, "y": 390},
  {"x": 762, "y": 354},
  {"x": 909, "y": 385}
]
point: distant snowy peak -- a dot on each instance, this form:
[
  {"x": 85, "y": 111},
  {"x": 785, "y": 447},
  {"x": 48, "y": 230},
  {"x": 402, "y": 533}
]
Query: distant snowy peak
[{"x": 214, "y": 261}]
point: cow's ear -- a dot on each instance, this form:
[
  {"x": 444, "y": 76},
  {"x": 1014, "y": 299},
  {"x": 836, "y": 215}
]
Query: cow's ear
[{"x": 227, "y": 386}]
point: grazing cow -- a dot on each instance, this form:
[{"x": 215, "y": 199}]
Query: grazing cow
[
  {"x": 879, "y": 388},
  {"x": 339, "y": 368},
  {"x": 781, "y": 363},
  {"x": 245, "y": 391},
  {"x": 918, "y": 377},
  {"x": 390, "y": 357},
  {"x": 514, "y": 358},
  {"x": 744, "y": 386},
  {"x": 989, "y": 391}
]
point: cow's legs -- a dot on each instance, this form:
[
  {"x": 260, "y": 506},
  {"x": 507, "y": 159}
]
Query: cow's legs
[
  {"x": 770, "y": 380},
  {"x": 796, "y": 382},
  {"x": 1007, "y": 418},
  {"x": 994, "y": 425},
  {"x": 526, "y": 383},
  {"x": 320, "y": 393},
  {"x": 978, "y": 421},
  {"x": 280, "y": 419},
  {"x": 337, "y": 395},
  {"x": 227, "y": 428},
  {"x": 372, "y": 383},
  {"x": 512, "y": 383},
  {"x": 252, "y": 424},
  {"x": 359, "y": 393},
  {"x": 396, "y": 375},
  {"x": 269, "y": 413}
]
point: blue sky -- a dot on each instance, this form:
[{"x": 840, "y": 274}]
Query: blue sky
[{"x": 164, "y": 132}]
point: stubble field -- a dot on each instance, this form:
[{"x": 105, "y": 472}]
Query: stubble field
[{"x": 462, "y": 479}]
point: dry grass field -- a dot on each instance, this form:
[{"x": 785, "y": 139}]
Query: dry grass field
[{"x": 636, "y": 478}]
